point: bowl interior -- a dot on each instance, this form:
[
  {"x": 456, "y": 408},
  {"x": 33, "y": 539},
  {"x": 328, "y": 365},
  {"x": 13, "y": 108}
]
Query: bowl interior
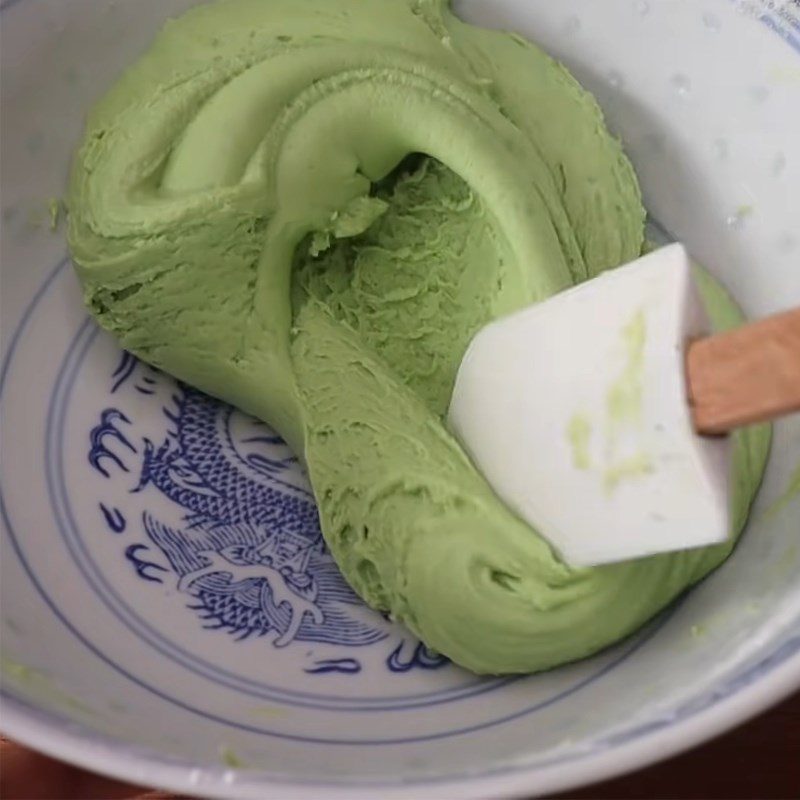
[{"x": 111, "y": 656}]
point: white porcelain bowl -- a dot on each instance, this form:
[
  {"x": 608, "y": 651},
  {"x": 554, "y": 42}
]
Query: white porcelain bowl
[{"x": 116, "y": 660}]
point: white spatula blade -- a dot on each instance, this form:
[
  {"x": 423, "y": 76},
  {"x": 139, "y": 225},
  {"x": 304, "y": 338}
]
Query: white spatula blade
[{"x": 575, "y": 411}]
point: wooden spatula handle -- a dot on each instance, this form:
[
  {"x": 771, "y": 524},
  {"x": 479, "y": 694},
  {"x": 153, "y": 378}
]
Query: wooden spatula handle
[{"x": 750, "y": 374}]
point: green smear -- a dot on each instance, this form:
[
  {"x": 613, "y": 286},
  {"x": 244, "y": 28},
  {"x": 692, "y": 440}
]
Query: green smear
[
  {"x": 579, "y": 432},
  {"x": 624, "y": 406},
  {"x": 40, "y": 687},
  {"x": 631, "y": 467},
  {"x": 230, "y": 758},
  {"x": 55, "y": 207},
  {"x": 699, "y": 631},
  {"x": 624, "y": 399}
]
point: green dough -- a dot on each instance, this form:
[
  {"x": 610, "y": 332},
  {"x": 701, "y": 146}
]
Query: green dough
[{"x": 308, "y": 208}]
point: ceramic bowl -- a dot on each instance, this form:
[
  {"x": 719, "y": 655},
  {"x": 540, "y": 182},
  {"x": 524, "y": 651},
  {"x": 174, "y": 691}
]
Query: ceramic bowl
[{"x": 137, "y": 639}]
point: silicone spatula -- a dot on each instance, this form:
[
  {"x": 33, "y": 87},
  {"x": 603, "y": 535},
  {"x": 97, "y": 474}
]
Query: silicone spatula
[{"x": 600, "y": 415}]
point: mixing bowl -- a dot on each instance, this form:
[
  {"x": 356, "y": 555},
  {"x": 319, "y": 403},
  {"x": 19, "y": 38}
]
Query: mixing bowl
[{"x": 114, "y": 657}]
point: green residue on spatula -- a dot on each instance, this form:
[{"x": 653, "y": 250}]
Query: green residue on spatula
[
  {"x": 633, "y": 467},
  {"x": 579, "y": 433},
  {"x": 624, "y": 406},
  {"x": 624, "y": 399}
]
